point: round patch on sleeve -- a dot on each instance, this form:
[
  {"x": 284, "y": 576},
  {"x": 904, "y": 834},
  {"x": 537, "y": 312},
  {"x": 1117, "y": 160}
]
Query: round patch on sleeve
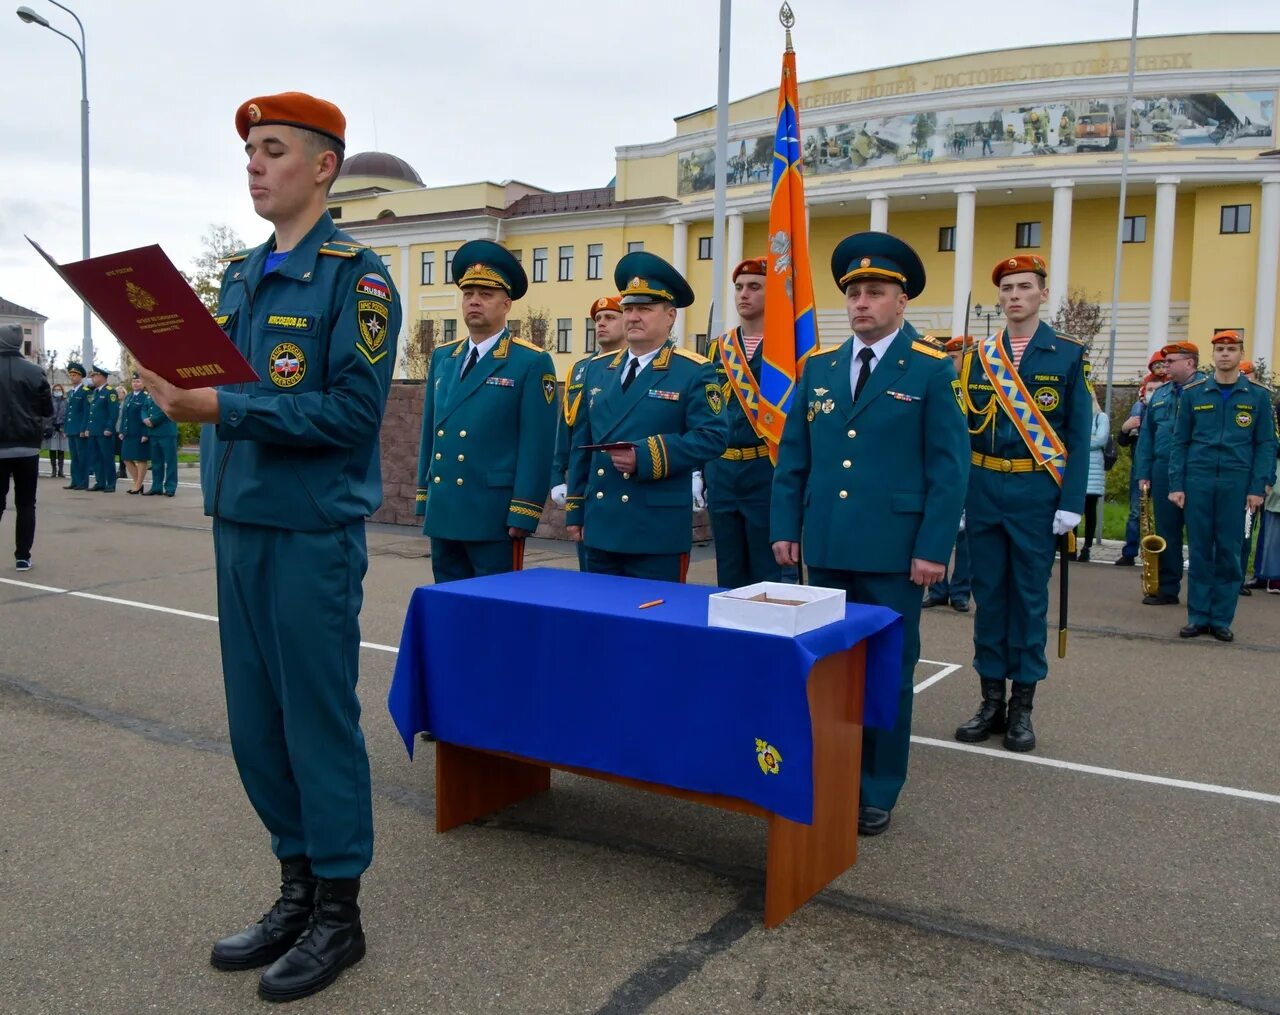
[{"x": 288, "y": 365}]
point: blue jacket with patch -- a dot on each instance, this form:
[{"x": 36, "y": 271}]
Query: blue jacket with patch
[{"x": 299, "y": 448}]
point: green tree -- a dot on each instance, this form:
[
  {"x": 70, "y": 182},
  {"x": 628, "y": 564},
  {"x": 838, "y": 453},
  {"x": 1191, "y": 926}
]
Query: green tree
[{"x": 206, "y": 274}]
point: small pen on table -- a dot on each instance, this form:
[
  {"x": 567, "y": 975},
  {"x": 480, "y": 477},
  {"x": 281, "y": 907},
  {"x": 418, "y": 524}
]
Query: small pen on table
[{"x": 653, "y": 602}]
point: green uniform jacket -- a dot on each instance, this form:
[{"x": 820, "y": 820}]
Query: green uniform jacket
[
  {"x": 161, "y": 425},
  {"x": 1155, "y": 437},
  {"x": 487, "y": 441},
  {"x": 747, "y": 482},
  {"x": 569, "y": 408},
  {"x": 104, "y": 412},
  {"x": 135, "y": 407},
  {"x": 674, "y": 415},
  {"x": 1052, "y": 369},
  {"x": 871, "y": 486},
  {"x": 77, "y": 411},
  {"x": 298, "y": 448},
  {"x": 1224, "y": 431}
]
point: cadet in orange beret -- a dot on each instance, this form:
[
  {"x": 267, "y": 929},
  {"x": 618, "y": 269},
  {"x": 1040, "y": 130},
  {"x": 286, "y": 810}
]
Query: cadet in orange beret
[
  {"x": 290, "y": 472},
  {"x": 606, "y": 315},
  {"x": 1030, "y": 418},
  {"x": 738, "y": 483},
  {"x": 954, "y": 588}
]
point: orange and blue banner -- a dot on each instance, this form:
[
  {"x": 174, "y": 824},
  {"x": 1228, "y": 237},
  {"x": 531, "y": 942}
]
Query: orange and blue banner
[{"x": 790, "y": 323}]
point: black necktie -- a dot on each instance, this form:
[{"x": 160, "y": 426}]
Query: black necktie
[
  {"x": 471, "y": 361},
  {"x": 632, "y": 367},
  {"x": 866, "y": 355}
]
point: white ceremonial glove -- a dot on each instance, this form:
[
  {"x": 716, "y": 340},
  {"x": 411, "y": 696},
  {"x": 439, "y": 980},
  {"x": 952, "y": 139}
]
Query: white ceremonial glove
[
  {"x": 1064, "y": 522},
  {"x": 699, "y": 491},
  {"x": 559, "y": 494},
  {"x": 961, "y": 521}
]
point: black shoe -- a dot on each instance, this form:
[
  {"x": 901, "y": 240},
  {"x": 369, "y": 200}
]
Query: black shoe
[
  {"x": 1193, "y": 631},
  {"x": 332, "y": 941},
  {"x": 133, "y": 493},
  {"x": 1020, "y": 736},
  {"x": 1123, "y": 561},
  {"x": 1222, "y": 633},
  {"x": 990, "y": 717},
  {"x": 279, "y": 927},
  {"x": 960, "y": 605},
  {"x": 150, "y": 493},
  {"x": 1082, "y": 557},
  {"x": 168, "y": 494},
  {"x": 1160, "y": 600},
  {"x": 930, "y": 603},
  {"x": 872, "y": 820},
  {"x": 1245, "y": 590}
]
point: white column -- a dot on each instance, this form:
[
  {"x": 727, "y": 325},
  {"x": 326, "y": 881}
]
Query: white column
[
  {"x": 1060, "y": 247},
  {"x": 1162, "y": 263},
  {"x": 679, "y": 261},
  {"x": 879, "y": 211},
  {"x": 966, "y": 204},
  {"x": 408, "y": 320},
  {"x": 1264, "y": 307},
  {"x": 731, "y": 258}
]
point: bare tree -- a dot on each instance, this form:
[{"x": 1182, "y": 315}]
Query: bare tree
[
  {"x": 416, "y": 357},
  {"x": 1080, "y": 316},
  {"x": 206, "y": 275},
  {"x": 537, "y": 328}
]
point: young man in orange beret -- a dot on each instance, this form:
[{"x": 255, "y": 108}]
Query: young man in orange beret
[
  {"x": 1030, "y": 417},
  {"x": 956, "y": 587},
  {"x": 290, "y": 471}
]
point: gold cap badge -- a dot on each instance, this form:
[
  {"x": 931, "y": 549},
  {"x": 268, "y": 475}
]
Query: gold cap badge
[
  {"x": 254, "y": 113},
  {"x": 865, "y": 262},
  {"x": 636, "y": 283},
  {"x": 1013, "y": 262}
]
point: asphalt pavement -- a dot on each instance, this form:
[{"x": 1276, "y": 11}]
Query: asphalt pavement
[{"x": 1131, "y": 863}]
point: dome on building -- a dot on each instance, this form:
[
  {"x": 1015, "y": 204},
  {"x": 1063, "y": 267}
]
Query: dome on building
[{"x": 381, "y": 165}]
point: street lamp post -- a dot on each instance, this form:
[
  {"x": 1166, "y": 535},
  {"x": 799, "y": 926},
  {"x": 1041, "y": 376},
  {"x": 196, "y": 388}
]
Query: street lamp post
[
  {"x": 32, "y": 18},
  {"x": 986, "y": 313}
]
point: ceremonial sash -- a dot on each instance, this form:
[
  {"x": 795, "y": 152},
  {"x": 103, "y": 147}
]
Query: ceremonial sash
[
  {"x": 741, "y": 380},
  {"x": 1045, "y": 445}
]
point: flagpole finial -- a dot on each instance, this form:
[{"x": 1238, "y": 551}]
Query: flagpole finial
[{"x": 788, "y": 18}]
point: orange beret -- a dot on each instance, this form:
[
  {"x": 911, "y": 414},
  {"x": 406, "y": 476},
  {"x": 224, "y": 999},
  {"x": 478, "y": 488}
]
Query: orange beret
[
  {"x": 293, "y": 109},
  {"x": 1226, "y": 337},
  {"x": 1246, "y": 366},
  {"x": 751, "y": 266},
  {"x": 605, "y": 303},
  {"x": 1189, "y": 348},
  {"x": 959, "y": 342},
  {"x": 1019, "y": 262}
]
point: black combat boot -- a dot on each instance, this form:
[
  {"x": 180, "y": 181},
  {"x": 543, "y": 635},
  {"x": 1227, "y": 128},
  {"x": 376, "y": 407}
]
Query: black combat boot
[
  {"x": 1021, "y": 737},
  {"x": 990, "y": 715},
  {"x": 332, "y": 941},
  {"x": 279, "y": 927}
]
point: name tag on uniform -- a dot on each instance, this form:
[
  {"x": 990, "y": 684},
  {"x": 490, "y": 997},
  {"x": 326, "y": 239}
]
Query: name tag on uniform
[
  {"x": 1207, "y": 406},
  {"x": 299, "y": 324},
  {"x": 1050, "y": 378},
  {"x": 902, "y": 397},
  {"x": 670, "y": 396},
  {"x": 501, "y": 382}
]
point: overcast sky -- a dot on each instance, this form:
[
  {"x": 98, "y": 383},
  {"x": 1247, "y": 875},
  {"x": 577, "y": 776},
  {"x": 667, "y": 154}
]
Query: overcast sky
[{"x": 541, "y": 92}]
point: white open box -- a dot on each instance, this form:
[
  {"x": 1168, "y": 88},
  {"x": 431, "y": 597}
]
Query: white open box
[{"x": 743, "y": 610}]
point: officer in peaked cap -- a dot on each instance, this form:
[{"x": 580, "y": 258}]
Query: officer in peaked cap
[
  {"x": 871, "y": 474},
  {"x": 290, "y": 470},
  {"x": 488, "y": 427},
  {"x": 606, "y": 315},
  {"x": 104, "y": 414},
  {"x": 78, "y": 401},
  {"x": 633, "y": 507}
]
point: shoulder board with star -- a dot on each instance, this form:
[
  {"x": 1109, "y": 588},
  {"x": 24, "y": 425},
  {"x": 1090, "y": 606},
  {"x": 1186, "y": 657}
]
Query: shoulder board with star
[
  {"x": 527, "y": 345},
  {"x": 928, "y": 350},
  {"x": 339, "y": 248},
  {"x": 696, "y": 357},
  {"x": 1192, "y": 384},
  {"x": 1067, "y": 338},
  {"x": 239, "y": 255}
]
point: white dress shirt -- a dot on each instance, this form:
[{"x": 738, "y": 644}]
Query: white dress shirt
[
  {"x": 645, "y": 360},
  {"x": 878, "y": 349}
]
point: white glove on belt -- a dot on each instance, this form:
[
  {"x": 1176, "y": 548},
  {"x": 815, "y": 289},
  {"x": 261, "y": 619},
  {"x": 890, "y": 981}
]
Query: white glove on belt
[
  {"x": 699, "y": 491},
  {"x": 1064, "y": 522}
]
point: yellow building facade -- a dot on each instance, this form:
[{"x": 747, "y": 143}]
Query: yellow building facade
[{"x": 969, "y": 159}]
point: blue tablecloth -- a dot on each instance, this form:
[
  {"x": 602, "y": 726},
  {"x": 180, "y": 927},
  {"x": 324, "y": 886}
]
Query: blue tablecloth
[{"x": 563, "y": 667}]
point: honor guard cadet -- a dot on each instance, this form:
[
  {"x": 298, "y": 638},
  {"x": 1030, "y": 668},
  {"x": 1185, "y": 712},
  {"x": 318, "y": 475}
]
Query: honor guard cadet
[
  {"x": 1151, "y": 464},
  {"x": 77, "y": 425},
  {"x": 956, "y": 588},
  {"x": 740, "y": 481},
  {"x": 290, "y": 470},
  {"x": 606, "y": 315},
  {"x": 163, "y": 439},
  {"x": 659, "y": 414},
  {"x": 871, "y": 474},
  {"x": 104, "y": 415},
  {"x": 1030, "y": 417},
  {"x": 488, "y": 427},
  {"x": 1222, "y": 461}
]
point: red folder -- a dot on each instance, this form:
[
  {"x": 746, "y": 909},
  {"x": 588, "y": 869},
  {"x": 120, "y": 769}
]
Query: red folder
[{"x": 149, "y": 307}]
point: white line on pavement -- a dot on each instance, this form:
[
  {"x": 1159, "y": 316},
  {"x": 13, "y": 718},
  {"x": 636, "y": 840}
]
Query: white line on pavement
[
  {"x": 1071, "y": 766},
  {"x": 946, "y": 671}
]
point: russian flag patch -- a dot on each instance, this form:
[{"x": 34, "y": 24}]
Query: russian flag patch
[{"x": 374, "y": 284}]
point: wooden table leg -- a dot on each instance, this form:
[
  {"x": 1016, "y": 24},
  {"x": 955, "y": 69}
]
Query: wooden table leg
[
  {"x": 471, "y": 784},
  {"x": 804, "y": 859}
]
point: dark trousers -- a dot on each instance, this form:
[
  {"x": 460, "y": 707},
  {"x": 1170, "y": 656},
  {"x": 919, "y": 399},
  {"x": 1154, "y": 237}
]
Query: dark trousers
[
  {"x": 744, "y": 554},
  {"x": 82, "y": 453},
  {"x": 105, "y": 448},
  {"x": 455, "y": 559},
  {"x": 1132, "y": 529},
  {"x": 1215, "y": 530},
  {"x": 288, "y": 612},
  {"x": 884, "y": 752},
  {"x": 1169, "y": 521},
  {"x": 1091, "y": 518},
  {"x": 664, "y": 567},
  {"x": 164, "y": 464},
  {"x": 955, "y": 589},
  {"x": 26, "y": 474}
]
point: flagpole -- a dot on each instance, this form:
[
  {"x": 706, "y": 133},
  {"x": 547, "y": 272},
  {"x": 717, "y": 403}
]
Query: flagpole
[{"x": 722, "y": 171}]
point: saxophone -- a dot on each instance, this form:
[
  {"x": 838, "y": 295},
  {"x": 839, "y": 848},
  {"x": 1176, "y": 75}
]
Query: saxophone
[{"x": 1152, "y": 546}]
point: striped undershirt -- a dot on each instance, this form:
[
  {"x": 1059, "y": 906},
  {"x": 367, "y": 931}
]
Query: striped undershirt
[
  {"x": 1017, "y": 346},
  {"x": 751, "y": 344}
]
